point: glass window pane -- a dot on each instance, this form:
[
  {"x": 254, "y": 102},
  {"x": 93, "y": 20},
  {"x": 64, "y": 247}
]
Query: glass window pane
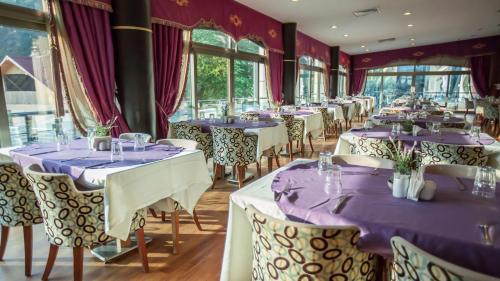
[
  {"x": 211, "y": 84},
  {"x": 373, "y": 88},
  {"x": 246, "y": 84},
  {"x": 248, "y": 46},
  {"x": 212, "y": 37},
  {"x": 31, "y": 4},
  {"x": 459, "y": 89},
  {"x": 263, "y": 94},
  {"x": 304, "y": 87},
  {"x": 432, "y": 87},
  {"x": 341, "y": 85},
  {"x": 306, "y": 60},
  {"x": 440, "y": 68},
  {"x": 186, "y": 108},
  {"x": 26, "y": 68},
  {"x": 395, "y": 87}
]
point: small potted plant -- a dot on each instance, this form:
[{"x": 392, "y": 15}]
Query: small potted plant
[
  {"x": 403, "y": 159},
  {"x": 407, "y": 127},
  {"x": 102, "y": 139}
]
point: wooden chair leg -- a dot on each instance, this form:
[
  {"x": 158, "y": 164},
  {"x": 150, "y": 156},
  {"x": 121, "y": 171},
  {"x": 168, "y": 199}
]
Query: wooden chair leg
[
  {"x": 153, "y": 213},
  {"x": 302, "y": 148},
  {"x": 141, "y": 246},
  {"x": 196, "y": 220},
  {"x": 269, "y": 164},
  {"x": 175, "y": 231},
  {"x": 277, "y": 158},
  {"x": 163, "y": 216},
  {"x": 259, "y": 171},
  {"x": 310, "y": 142},
  {"x": 28, "y": 249},
  {"x": 217, "y": 169},
  {"x": 3, "y": 241},
  {"x": 50, "y": 261},
  {"x": 290, "y": 150},
  {"x": 241, "y": 175},
  {"x": 77, "y": 263}
]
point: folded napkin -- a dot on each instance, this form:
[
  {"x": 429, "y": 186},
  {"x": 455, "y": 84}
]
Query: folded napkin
[
  {"x": 416, "y": 130},
  {"x": 416, "y": 185}
]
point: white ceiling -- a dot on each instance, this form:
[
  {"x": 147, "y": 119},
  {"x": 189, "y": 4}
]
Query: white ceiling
[{"x": 435, "y": 21}]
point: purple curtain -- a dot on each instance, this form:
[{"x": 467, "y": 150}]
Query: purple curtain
[
  {"x": 89, "y": 33},
  {"x": 276, "y": 75},
  {"x": 358, "y": 81},
  {"x": 480, "y": 72},
  {"x": 168, "y": 46}
]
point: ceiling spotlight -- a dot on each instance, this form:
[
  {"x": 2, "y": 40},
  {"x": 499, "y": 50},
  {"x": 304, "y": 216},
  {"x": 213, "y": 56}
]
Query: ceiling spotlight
[
  {"x": 412, "y": 39},
  {"x": 334, "y": 26},
  {"x": 346, "y": 35},
  {"x": 367, "y": 50},
  {"x": 407, "y": 13},
  {"x": 410, "y": 25},
  {"x": 295, "y": 0},
  {"x": 413, "y": 43},
  {"x": 362, "y": 46}
]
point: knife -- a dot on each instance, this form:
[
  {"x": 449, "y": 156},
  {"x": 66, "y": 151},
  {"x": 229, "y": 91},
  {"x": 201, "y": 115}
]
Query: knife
[
  {"x": 340, "y": 204},
  {"x": 461, "y": 185}
]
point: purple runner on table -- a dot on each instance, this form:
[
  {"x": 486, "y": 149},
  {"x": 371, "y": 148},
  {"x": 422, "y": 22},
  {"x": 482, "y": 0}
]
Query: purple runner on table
[
  {"x": 238, "y": 123},
  {"x": 456, "y": 138},
  {"x": 78, "y": 158},
  {"x": 270, "y": 113},
  {"x": 422, "y": 121},
  {"x": 446, "y": 227}
]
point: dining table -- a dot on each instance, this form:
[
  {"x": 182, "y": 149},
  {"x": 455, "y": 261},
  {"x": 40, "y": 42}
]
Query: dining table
[
  {"x": 139, "y": 180},
  {"x": 446, "y": 226},
  {"x": 420, "y": 120}
]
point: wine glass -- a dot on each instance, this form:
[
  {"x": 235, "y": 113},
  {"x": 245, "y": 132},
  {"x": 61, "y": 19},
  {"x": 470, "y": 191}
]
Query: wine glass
[
  {"x": 485, "y": 182},
  {"x": 116, "y": 151}
]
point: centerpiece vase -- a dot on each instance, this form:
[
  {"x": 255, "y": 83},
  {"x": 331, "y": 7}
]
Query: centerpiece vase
[{"x": 400, "y": 185}]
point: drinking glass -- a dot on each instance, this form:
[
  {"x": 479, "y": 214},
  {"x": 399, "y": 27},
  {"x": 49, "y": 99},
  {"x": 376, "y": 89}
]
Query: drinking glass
[
  {"x": 90, "y": 138},
  {"x": 401, "y": 115},
  {"x": 394, "y": 130},
  {"x": 333, "y": 182},
  {"x": 116, "y": 151},
  {"x": 139, "y": 143},
  {"x": 323, "y": 161},
  {"x": 475, "y": 133},
  {"x": 485, "y": 182},
  {"x": 435, "y": 128},
  {"x": 202, "y": 115},
  {"x": 62, "y": 142},
  {"x": 212, "y": 117},
  {"x": 414, "y": 130},
  {"x": 366, "y": 125}
]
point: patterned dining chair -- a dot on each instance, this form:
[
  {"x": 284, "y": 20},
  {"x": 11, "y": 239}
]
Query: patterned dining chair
[
  {"x": 412, "y": 263},
  {"x": 232, "y": 147},
  {"x": 295, "y": 129},
  {"x": 131, "y": 136},
  {"x": 250, "y": 116},
  {"x": 439, "y": 153},
  {"x": 75, "y": 218},
  {"x": 18, "y": 208},
  {"x": 284, "y": 250},
  {"x": 381, "y": 148},
  {"x": 185, "y": 130},
  {"x": 327, "y": 120}
]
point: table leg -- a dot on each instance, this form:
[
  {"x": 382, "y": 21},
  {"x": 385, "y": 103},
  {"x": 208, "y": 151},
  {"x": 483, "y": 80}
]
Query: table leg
[{"x": 115, "y": 249}]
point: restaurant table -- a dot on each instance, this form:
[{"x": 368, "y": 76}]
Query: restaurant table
[
  {"x": 334, "y": 109},
  {"x": 447, "y": 136},
  {"x": 446, "y": 227},
  {"x": 422, "y": 122},
  {"x": 141, "y": 180},
  {"x": 270, "y": 133}
]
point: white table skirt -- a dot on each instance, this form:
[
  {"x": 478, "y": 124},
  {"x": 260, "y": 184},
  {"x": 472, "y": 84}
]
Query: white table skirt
[
  {"x": 237, "y": 261},
  {"x": 276, "y": 136},
  {"x": 313, "y": 124},
  {"x": 183, "y": 177},
  {"x": 345, "y": 139}
]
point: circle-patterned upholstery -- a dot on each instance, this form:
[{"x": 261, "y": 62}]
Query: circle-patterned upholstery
[
  {"x": 291, "y": 251},
  {"x": 232, "y": 147},
  {"x": 72, "y": 218},
  {"x": 18, "y": 204},
  {"x": 187, "y": 131},
  {"x": 250, "y": 116},
  {"x": 438, "y": 153},
  {"x": 294, "y": 126},
  {"x": 411, "y": 263},
  {"x": 380, "y": 148},
  {"x": 327, "y": 117}
]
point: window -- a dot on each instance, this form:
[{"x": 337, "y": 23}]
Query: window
[
  {"x": 311, "y": 84},
  {"x": 31, "y": 108},
  {"x": 222, "y": 70},
  {"x": 447, "y": 85},
  {"x": 342, "y": 82}
]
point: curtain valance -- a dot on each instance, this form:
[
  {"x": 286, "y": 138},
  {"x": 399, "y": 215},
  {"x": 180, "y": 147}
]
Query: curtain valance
[
  {"x": 308, "y": 46},
  {"x": 98, "y": 4}
]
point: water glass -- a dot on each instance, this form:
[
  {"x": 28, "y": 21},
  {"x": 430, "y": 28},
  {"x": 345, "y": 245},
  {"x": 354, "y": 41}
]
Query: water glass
[
  {"x": 202, "y": 115},
  {"x": 116, "y": 151},
  {"x": 62, "y": 142},
  {"x": 475, "y": 132},
  {"x": 323, "y": 161},
  {"x": 401, "y": 115},
  {"x": 394, "y": 130},
  {"x": 485, "y": 182},
  {"x": 435, "y": 128},
  {"x": 139, "y": 143},
  {"x": 414, "y": 130},
  {"x": 367, "y": 125},
  {"x": 90, "y": 138},
  {"x": 212, "y": 118},
  {"x": 333, "y": 182}
]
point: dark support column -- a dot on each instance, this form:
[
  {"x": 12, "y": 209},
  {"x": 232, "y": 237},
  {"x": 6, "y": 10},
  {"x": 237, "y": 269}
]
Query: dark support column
[
  {"x": 495, "y": 74},
  {"x": 132, "y": 38},
  {"x": 289, "y": 62},
  {"x": 334, "y": 71}
]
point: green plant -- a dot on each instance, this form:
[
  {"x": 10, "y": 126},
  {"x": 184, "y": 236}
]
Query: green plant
[
  {"x": 402, "y": 157},
  {"x": 103, "y": 130},
  {"x": 407, "y": 125}
]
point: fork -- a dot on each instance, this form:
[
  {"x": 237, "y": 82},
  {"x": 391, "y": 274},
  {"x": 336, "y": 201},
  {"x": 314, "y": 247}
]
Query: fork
[
  {"x": 375, "y": 172},
  {"x": 485, "y": 233}
]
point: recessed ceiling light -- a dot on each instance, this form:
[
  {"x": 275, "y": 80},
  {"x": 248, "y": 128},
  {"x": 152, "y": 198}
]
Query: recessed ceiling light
[
  {"x": 295, "y": 0},
  {"x": 367, "y": 50},
  {"x": 410, "y": 25},
  {"x": 362, "y": 46},
  {"x": 412, "y": 39},
  {"x": 407, "y": 13},
  {"x": 346, "y": 35},
  {"x": 413, "y": 43},
  {"x": 334, "y": 26}
]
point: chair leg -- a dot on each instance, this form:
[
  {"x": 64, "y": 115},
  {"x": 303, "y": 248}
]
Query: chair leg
[
  {"x": 50, "y": 261},
  {"x": 241, "y": 175},
  {"x": 28, "y": 249},
  {"x": 3, "y": 241},
  {"x": 302, "y": 148},
  {"x": 163, "y": 216},
  {"x": 175, "y": 231},
  {"x": 153, "y": 213},
  {"x": 277, "y": 158},
  {"x": 290, "y": 150},
  {"x": 310, "y": 142},
  {"x": 259, "y": 172},
  {"x": 196, "y": 220},
  {"x": 78, "y": 263},
  {"x": 269, "y": 164},
  {"x": 141, "y": 245},
  {"x": 217, "y": 169}
]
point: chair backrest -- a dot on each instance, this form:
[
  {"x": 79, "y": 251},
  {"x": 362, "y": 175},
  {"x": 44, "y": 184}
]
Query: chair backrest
[
  {"x": 18, "y": 204},
  {"x": 188, "y": 131},
  {"x": 294, "y": 126},
  {"x": 327, "y": 118},
  {"x": 286, "y": 250},
  {"x": 250, "y": 116},
  {"x": 232, "y": 147},
  {"x": 379, "y": 148},
  {"x": 363, "y": 160},
  {"x": 71, "y": 218},
  {"x": 439, "y": 153},
  {"x": 412, "y": 263},
  {"x": 187, "y": 144},
  {"x": 131, "y": 136}
]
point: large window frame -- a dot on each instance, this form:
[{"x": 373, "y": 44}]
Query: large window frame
[
  {"x": 313, "y": 67},
  {"x": 413, "y": 74}
]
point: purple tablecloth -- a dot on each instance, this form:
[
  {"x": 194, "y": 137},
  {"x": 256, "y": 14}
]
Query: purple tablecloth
[
  {"x": 446, "y": 227},
  {"x": 238, "y": 123},
  {"x": 457, "y": 138},
  {"x": 78, "y": 158},
  {"x": 270, "y": 113},
  {"x": 422, "y": 121}
]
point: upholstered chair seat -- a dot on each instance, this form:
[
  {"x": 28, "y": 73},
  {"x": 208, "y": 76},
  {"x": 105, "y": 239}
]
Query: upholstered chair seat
[
  {"x": 412, "y": 263},
  {"x": 75, "y": 218},
  {"x": 284, "y": 250},
  {"x": 380, "y": 148},
  {"x": 18, "y": 208},
  {"x": 438, "y": 153},
  {"x": 185, "y": 130},
  {"x": 232, "y": 147}
]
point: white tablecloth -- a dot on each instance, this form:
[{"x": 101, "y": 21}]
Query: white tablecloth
[
  {"x": 313, "y": 124},
  {"x": 183, "y": 177},
  {"x": 276, "y": 136},
  {"x": 237, "y": 261}
]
